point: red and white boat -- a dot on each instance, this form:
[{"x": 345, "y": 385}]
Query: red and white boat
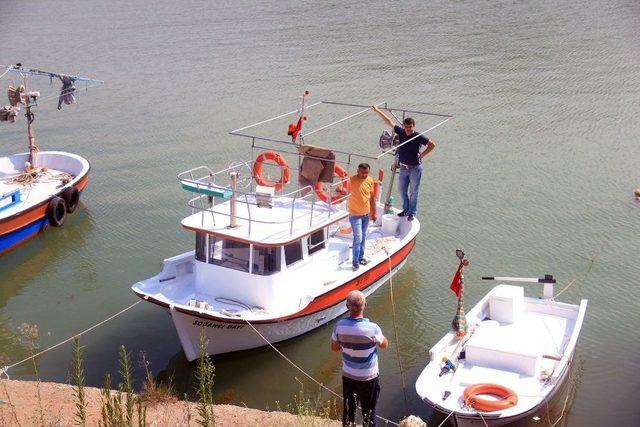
[
  {"x": 276, "y": 260},
  {"x": 38, "y": 188}
]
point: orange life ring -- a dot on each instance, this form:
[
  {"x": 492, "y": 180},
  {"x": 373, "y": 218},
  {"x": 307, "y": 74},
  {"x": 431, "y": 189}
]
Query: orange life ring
[
  {"x": 342, "y": 189},
  {"x": 508, "y": 397},
  {"x": 285, "y": 174}
]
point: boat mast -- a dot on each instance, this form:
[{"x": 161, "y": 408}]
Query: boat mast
[
  {"x": 30, "y": 97},
  {"x": 33, "y": 149}
]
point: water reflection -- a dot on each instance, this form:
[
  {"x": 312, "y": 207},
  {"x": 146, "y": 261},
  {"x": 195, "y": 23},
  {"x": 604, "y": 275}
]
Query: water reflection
[{"x": 27, "y": 262}]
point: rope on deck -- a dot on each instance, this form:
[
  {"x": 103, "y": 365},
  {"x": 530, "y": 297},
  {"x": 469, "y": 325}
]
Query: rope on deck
[{"x": 4, "y": 370}]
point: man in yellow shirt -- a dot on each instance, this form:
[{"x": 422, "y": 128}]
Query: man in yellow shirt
[{"x": 361, "y": 204}]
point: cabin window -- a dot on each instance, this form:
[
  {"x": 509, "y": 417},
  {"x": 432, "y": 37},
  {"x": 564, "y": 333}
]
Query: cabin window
[
  {"x": 266, "y": 261},
  {"x": 229, "y": 253},
  {"x": 201, "y": 247},
  {"x": 293, "y": 252},
  {"x": 315, "y": 241}
]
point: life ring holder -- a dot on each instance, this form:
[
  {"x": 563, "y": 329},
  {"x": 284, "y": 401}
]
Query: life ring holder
[
  {"x": 285, "y": 174},
  {"x": 342, "y": 189},
  {"x": 508, "y": 398}
]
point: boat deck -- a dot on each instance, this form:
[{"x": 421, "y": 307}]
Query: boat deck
[
  {"x": 287, "y": 219},
  {"x": 521, "y": 356},
  {"x": 30, "y": 194}
]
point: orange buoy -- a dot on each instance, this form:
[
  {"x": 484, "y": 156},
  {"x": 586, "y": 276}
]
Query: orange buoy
[
  {"x": 508, "y": 397},
  {"x": 342, "y": 189},
  {"x": 285, "y": 174}
]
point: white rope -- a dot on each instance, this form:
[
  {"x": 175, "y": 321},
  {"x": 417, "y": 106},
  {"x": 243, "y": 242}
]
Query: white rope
[
  {"x": 303, "y": 372},
  {"x": 1, "y": 76},
  {"x": 561, "y": 412},
  {"x": 395, "y": 330},
  {"x": 445, "y": 420},
  {"x": 482, "y": 418},
  {"x": 5, "y": 369}
]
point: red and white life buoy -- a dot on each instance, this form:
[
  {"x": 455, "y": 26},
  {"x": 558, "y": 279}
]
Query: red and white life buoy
[
  {"x": 285, "y": 174},
  {"x": 342, "y": 190}
]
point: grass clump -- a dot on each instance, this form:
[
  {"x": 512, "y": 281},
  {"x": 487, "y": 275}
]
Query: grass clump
[
  {"x": 311, "y": 411},
  {"x": 29, "y": 336},
  {"x": 154, "y": 392},
  {"x": 205, "y": 372},
  {"x": 118, "y": 408},
  {"x": 78, "y": 381}
]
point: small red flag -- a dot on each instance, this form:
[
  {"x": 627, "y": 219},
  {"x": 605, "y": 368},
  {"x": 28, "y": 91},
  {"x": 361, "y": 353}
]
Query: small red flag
[
  {"x": 458, "y": 281},
  {"x": 294, "y": 130}
]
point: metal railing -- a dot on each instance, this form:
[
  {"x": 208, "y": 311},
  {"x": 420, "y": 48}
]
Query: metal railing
[
  {"x": 204, "y": 178},
  {"x": 384, "y": 105}
]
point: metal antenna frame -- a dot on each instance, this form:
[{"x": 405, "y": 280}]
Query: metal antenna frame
[{"x": 365, "y": 108}]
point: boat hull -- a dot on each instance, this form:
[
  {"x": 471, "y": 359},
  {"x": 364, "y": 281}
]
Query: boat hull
[
  {"x": 229, "y": 336},
  {"x": 19, "y": 228},
  {"x": 495, "y": 420}
]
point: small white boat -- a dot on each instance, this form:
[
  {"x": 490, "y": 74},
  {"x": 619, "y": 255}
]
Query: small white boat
[
  {"x": 270, "y": 264},
  {"x": 38, "y": 188},
  {"x": 513, "y": 359}
]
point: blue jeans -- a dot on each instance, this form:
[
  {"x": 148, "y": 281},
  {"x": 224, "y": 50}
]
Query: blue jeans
[
  {"x": 359, "y": 224},
  {"x": 409, "y": 188}
]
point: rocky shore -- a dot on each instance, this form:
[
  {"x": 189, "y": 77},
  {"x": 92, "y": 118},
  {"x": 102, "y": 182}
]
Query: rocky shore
[{"x": 27, "y": 403}]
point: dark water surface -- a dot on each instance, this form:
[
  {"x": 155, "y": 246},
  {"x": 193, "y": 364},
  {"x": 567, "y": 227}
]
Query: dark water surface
[{"x": 534, "y": 175}]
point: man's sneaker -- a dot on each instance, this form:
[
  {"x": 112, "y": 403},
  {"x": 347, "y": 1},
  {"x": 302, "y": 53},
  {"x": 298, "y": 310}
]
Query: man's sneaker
[
  {"x": 403, "y": 213},
  {"x": 364, "y": 262},
  {"x": 410, "y": 217},
  {"x": 355, "y": 267}
]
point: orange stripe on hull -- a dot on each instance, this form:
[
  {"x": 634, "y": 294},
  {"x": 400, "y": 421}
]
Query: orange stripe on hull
[
  {"x": 322, "y": 302},
  {"x": 360, "y": 283},
  {"x": 22, "y": 219}
]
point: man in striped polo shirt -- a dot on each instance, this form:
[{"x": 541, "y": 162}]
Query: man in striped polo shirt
[{"x": 357, "y": 337}]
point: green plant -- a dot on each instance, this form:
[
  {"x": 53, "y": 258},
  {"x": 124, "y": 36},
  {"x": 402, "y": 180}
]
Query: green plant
[
  {"x": 111, "y": 410},
  {"x": 154, "y": 392},
  {"x": 126, "y": 386},
  {"x": 204, "y": 378},
  {"x": 311, "y": 411},
  {"x": 189, "y": 414},
  {"x": 29, "y": 336},
  {"x": 78, "y": 381}
]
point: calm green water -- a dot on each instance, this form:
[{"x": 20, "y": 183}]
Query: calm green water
[{"x": 534, "y": 175}]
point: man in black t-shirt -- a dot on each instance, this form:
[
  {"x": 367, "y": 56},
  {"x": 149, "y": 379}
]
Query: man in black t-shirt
[{"x": 410, "y": 161}]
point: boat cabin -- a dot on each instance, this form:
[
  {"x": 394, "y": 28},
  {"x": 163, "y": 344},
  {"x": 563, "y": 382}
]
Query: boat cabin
[{"x": 254, "y": 258}]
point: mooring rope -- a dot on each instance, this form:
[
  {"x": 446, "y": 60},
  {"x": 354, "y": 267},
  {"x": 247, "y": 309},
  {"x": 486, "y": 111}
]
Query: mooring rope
[
  {"x": 447, "y": 417},
  {"x": 4, "y": 370},
  {"x": 292, "y": 363},
  {"x": 395, "y": 330},
  {"x": 2, "y": 75},
  {"x": 561, "y": 412}
]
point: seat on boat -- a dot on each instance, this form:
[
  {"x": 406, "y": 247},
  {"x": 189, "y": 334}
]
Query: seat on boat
[{"x": 503, "y": 342}]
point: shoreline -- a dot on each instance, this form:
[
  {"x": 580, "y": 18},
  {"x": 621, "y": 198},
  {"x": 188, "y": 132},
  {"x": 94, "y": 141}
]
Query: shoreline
[{"x": 20, "y": 405}]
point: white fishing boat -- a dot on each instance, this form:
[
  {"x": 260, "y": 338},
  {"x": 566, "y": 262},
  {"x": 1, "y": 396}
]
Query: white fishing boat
[
  {"x": 508, "y": 361},
  {"x": 272, "y": 263},
  {"x": 37, "y": 188}
]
